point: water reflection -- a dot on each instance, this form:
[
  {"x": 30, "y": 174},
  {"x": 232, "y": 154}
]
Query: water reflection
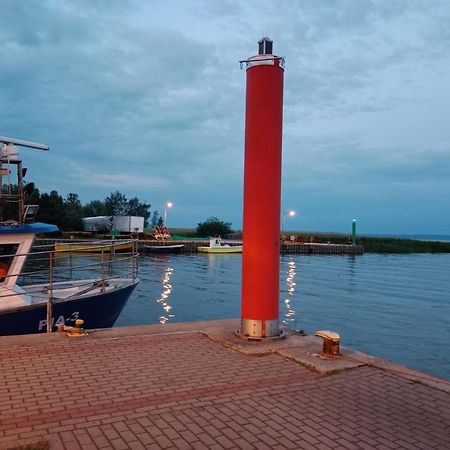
[
  {"x": 352, "y": 270},
  {"x": 371, "y": 300},
  {"x": 288, "y": 301},
  {"x": 163, "y": 300}
]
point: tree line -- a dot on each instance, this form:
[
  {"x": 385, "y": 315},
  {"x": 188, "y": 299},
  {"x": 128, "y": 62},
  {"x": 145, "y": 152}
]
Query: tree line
[{"x": 67, "y": 212}]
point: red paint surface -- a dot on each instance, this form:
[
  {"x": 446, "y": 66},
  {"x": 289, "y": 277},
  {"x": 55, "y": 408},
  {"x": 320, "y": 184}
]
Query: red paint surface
[{"x": 262, "y": 192}]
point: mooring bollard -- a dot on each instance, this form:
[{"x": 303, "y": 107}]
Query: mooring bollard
[
  {"x": 330, "y": 342},
  {"x": 76, "y": 331}
]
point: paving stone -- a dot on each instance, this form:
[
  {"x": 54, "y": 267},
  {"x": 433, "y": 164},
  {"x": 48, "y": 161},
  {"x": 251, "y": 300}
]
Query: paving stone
[{"x": 145, "y": 388}]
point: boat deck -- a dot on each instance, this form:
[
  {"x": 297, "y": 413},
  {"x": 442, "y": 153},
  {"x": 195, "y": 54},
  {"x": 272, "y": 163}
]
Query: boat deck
[
  {"x": 65, "y": 290},
  {"x": 197, "y": 385}
]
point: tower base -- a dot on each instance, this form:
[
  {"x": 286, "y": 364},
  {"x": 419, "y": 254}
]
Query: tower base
[{"x": 256, "y": 329}]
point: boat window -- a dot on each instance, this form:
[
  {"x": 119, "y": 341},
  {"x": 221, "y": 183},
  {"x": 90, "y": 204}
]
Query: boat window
[
  {"x": 7, "y": 253},
  {"x": 30, "y": 213}
]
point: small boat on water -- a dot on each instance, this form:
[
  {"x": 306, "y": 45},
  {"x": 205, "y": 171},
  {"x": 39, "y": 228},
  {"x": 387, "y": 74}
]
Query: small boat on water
[
  {"x": 216, "y": 245},
  {"x": 108, "y": 246},
  {"x": 162, "y": 245},
  {"x": 38, "y": 291}
]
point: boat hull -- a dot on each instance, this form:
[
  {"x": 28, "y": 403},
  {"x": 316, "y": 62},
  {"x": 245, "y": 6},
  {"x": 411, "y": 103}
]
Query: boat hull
[
  {"x": 97, "y": 311},
  {"x": 236, "y": 249},
  {"x": 67, "y": 249}
]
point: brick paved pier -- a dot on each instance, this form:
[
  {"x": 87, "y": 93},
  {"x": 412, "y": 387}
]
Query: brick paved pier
[{"x": 199, "y": 386}]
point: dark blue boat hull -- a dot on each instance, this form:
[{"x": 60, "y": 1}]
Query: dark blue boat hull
[{"x": 97, "y": 311}]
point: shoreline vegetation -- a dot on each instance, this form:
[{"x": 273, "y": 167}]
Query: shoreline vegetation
[{"x": 371, "y": 244}]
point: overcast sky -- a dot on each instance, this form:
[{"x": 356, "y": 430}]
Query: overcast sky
[{"x": 147, "y": 97}]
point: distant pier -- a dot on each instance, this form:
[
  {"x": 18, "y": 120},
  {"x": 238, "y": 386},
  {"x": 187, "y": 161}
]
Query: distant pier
[
  {"x": 320, "y": 249},
  {"x": 285, "y": 247}
]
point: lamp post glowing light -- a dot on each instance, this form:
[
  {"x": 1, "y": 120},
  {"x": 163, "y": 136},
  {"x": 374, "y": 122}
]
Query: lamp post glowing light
[
  {"x": 167, "y": 206},
  {"x": 290, "y": 213}
]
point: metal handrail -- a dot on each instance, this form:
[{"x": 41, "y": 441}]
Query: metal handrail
[{"x": 106, "y": 269}]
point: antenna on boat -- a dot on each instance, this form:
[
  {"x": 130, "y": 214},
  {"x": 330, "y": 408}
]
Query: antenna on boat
[
  {"x": 9, "y": 152},
  {"x": 21, "y": 143}
]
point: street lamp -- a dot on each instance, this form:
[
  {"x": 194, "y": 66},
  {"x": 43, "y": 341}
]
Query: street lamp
[
  {"x": 290, "y": 213},
  {"x": 166, "y": 207}
]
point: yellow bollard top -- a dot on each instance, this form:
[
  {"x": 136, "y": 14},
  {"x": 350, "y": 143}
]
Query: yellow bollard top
[{"x": 326, "y": 334}]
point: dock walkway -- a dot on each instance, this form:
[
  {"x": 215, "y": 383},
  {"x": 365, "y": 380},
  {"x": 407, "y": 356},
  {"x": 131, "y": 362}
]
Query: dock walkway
[{"x": 199, "y": 386}]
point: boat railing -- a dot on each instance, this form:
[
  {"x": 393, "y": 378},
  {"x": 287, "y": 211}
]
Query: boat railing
[{"x": 47, "y": 265}]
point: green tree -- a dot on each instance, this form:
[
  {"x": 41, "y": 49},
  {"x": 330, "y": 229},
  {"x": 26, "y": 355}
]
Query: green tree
[
  {"x": 94, "y": 208},
  {"x": 136, "y": 208},
  {"x": 72, "y": 213},
  {"x": 116, "y": 204},
  {"x": 51, "y": 209},
  {"x": 155, "y": 219},
  {"x": 65, "y": 213},
  {"x": 213, "y": 227}
]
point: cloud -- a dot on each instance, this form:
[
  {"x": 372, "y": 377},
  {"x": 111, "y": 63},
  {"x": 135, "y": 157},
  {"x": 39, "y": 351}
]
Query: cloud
[
  {"x": 123, "y": 181},
  {"x": 150, "y": 99}
]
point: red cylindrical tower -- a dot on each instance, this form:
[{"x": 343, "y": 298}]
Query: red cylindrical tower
[{"x": 262, "y": 194}]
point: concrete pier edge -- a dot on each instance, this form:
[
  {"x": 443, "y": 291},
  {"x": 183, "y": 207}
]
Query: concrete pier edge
[{"x": 302, "y": 349}]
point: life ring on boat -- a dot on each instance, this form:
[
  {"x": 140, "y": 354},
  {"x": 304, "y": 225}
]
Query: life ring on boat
[{"x": 4, "y": 268}]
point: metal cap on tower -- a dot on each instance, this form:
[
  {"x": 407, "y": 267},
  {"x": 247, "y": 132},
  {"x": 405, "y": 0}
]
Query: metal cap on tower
[
  {"x": 265, "y": 57},
  {"x": 265, "y": 46}
]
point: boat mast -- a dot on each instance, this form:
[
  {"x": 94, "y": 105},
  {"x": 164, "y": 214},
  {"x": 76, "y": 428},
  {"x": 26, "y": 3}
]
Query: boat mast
[{"x": 10, "y": 155}]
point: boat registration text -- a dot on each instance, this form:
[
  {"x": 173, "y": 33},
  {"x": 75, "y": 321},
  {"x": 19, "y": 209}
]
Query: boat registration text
[{"x": 61, "y": 320}]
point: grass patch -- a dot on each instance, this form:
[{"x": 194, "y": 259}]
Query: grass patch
[
  {"x": 378, "y": 244},
  {"x": 394, "y": 245}
]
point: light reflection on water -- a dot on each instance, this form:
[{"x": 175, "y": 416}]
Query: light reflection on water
[
  {"x": 393, "y": 306},
  {"x": 289, "y": 311},
  {"x": 165, "y": 294}
]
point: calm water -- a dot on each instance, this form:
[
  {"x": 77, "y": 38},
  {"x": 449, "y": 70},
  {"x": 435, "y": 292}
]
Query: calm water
[{"x": 393, "y": 306}]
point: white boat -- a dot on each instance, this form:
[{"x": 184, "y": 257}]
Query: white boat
[
  {"x": 216, "y": 245},
  {"x": 169, "y": 248},
  {"x": 38, "y": 291}
]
